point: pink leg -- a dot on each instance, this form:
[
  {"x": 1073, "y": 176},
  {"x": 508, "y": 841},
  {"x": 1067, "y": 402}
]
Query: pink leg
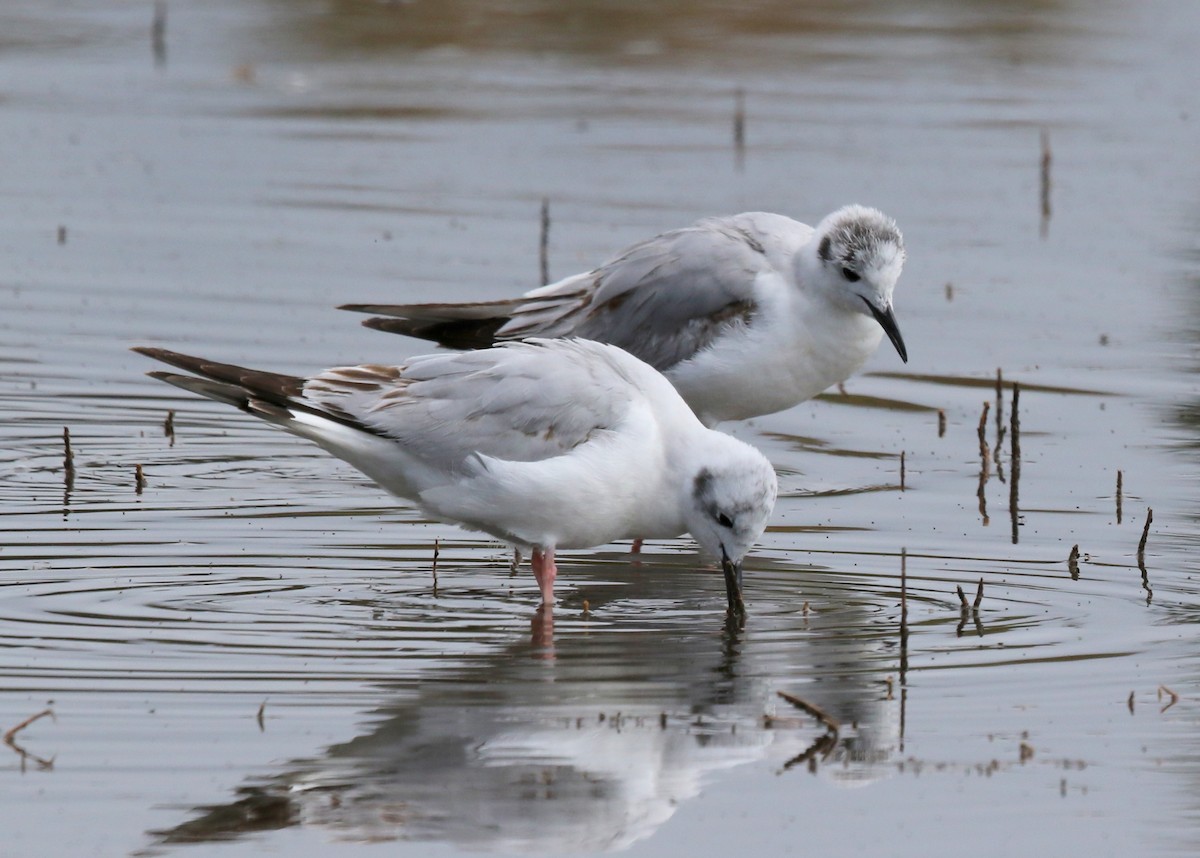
[
  {"x": 637, "y": 547},
  {"x": 545, "y": 572}
]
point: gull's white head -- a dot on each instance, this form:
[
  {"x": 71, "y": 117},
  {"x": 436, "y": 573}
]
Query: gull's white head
[
  {"x": 860, "y": 253},
  {"x": 730, "y": 498}
]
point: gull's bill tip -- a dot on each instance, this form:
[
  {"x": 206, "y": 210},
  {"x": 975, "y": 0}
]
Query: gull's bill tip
[{"x": 887, "y": 320}]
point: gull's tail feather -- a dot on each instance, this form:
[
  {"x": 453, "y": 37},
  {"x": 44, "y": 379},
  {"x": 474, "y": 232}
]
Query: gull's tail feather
[
  {"x": 272, "y": 396},
  {"x": 455, "y": 326}
]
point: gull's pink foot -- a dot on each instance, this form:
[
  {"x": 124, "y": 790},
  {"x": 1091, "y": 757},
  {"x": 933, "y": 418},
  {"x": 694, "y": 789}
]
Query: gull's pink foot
[{"x": 637, "y": 547}]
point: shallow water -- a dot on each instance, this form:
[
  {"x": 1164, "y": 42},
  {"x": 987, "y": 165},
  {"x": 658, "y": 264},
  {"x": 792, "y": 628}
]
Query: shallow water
[{"x": 257, "y": 653}]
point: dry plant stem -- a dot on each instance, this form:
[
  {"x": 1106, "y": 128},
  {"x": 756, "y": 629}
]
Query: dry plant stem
[
  {"x": 1120, "y": 480},
  {"x": 941, "y": 422},
  {"x": 901, "y": 470},
  {"x": 903, "y": 615},
  {"x": 1162, "y": 689},
  {"x": 139, "y": 479},
  {"x": 962, "y": 598},
  {"x": 1014, "y": 456},
  {"x": 978, "y": 597},
  {"x": 169, "y": 427}
]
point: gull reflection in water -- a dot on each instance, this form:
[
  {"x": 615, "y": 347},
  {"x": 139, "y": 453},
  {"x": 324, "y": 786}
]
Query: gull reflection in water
[{"x": 591, "y": 749}]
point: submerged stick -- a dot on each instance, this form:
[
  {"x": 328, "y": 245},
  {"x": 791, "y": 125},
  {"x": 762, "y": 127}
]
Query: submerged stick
[
  {"x": 903, "y": 614},
  {"x": 436, "y": 552},
  {"x": 1014, "y": 464},
  {"x": 1145, "y": 534},
  {"x": 1141, "y": 556}
]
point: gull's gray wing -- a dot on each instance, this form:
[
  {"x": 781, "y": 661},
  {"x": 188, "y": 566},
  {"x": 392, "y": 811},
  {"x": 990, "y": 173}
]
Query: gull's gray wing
[
  {"x": 663, "y": 300},
  {"x": 520, "y": 402}
]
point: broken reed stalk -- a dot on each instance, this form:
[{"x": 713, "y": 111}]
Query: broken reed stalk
[
  {"x": 1162, "y": 689},
  {"x": 978, "y": 597},
  {"x": 984, "y": 452},
  {"x": 11, "y": 733},
  {"x": 1120, "y": 479},
  {"x": 139, "y": 479},
  {"x": 941, "y": 422},
  {"x": 903, "y": 614},
  {"x": 1145, "y": 535},
  {"x": 1014, "y": 464},
  {"x": 68, "y": 455},
  {"x": 901, "y": 470},
  {"x": 962, "y": 598},
  {"x": 1073, "y": 562},
  {"x": 260, "y": 717},
  {"x": 812, "y": 709},
  {"x": 544, "y": 243},
  {"x": 169, "y": 427},
  {"x": 999, "y": 408}
]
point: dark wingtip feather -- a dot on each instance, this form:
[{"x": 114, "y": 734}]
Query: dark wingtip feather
[
  {"x": 271, "y": 386},
  {"x": 464, "y": 334}
]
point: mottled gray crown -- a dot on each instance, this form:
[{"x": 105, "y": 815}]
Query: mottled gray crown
[{"x": 854, "y": 234}]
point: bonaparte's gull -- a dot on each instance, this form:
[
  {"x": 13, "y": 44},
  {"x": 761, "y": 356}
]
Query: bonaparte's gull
[
  {"x": 546, "y": 444},
  {"x": 746, "y": 315}
]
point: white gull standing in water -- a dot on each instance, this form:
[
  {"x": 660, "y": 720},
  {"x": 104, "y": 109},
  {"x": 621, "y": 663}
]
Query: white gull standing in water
[
  {"x": 746, "y": 315},
  {"x": 546, "y": 444}
]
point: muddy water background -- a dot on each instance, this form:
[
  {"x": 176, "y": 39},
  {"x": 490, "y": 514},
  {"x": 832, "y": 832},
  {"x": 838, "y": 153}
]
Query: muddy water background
[{"x": 279, "y": 158}]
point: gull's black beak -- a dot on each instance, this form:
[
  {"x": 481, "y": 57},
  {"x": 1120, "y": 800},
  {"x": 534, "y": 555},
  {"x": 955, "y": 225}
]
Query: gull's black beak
[
  {"x": 733, "y": 584},
  {"x": 887, "y": 321}
]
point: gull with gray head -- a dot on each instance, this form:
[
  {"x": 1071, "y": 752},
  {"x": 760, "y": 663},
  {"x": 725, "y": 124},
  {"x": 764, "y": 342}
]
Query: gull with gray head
[
  {"x": 746, "y": 315},
  {"x": 544, "y": 444}
]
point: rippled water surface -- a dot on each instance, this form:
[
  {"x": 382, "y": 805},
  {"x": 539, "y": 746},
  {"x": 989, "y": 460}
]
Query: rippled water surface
[{"x": 260, "y": 652}]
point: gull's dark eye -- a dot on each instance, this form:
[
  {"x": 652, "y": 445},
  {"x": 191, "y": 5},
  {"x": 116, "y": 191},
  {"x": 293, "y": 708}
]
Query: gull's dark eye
[
  {"x": 724, "y": 520},
  {"x": 852, "y": 276}
]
